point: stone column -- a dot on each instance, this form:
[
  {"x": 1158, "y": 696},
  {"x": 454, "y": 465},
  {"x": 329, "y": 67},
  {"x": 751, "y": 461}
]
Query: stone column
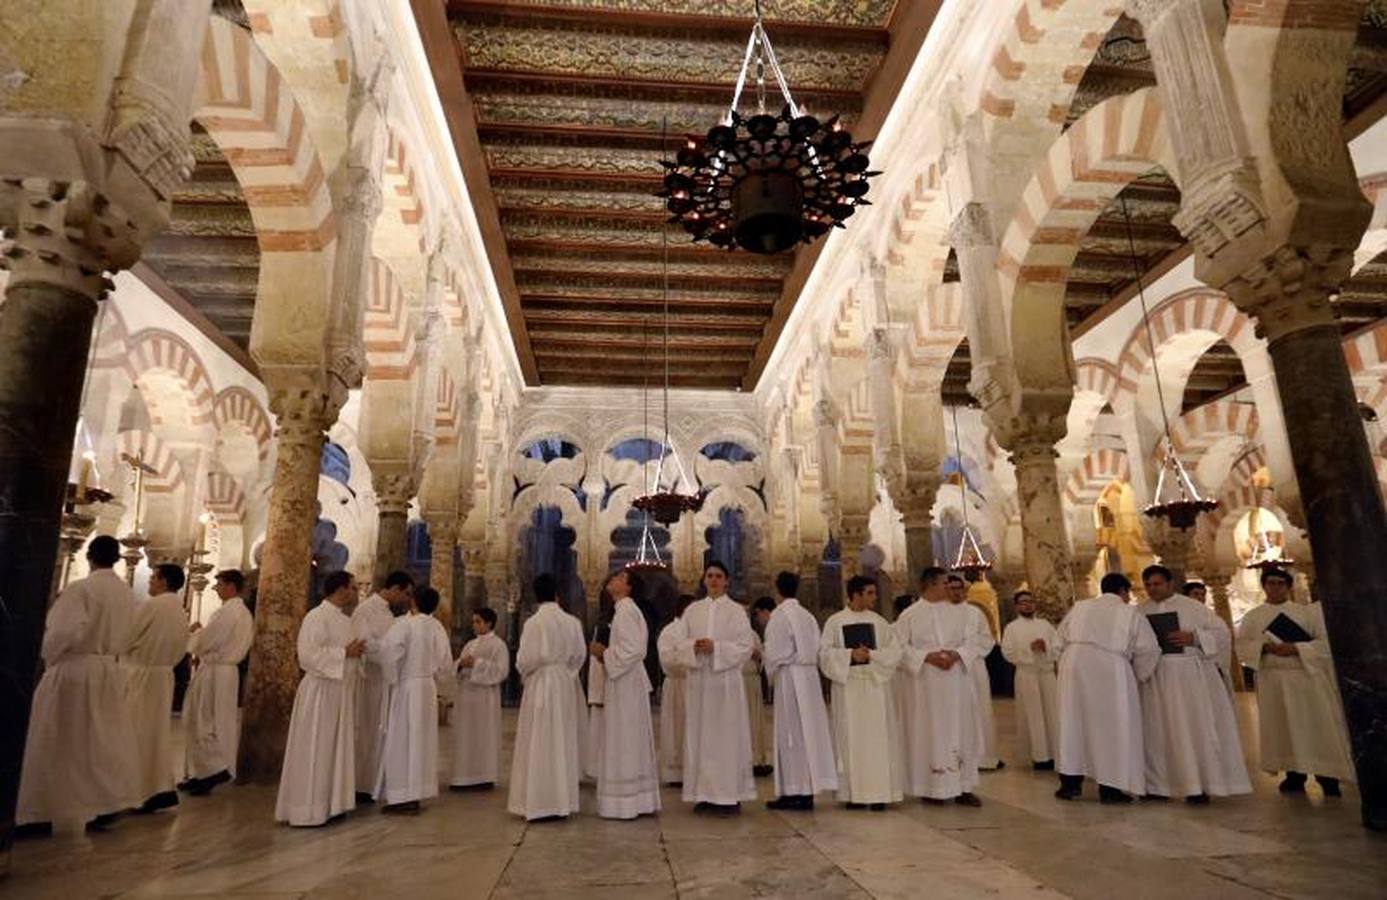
[
  {"x": 1044, "y": 541},
  {"x": 1172, "y": 545},
  {"x": 1081, "y": 567},
  {"x": 393, "y": 490},
  {"x": 852, "y": 537},
  {"x": 474, "y": 595},
  {"x": 811, "y": 556},
  {"x": 916, "y": 505},
  {"x": 1218, "y": 587},
  {"x": 303, "y": 415},
  {"x": 443, "y": 538}
]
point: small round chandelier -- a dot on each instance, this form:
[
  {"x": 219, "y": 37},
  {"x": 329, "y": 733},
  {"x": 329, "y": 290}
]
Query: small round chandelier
[
  {"x": 969, "y": 559},
  {"x": 766, "y": 182}
]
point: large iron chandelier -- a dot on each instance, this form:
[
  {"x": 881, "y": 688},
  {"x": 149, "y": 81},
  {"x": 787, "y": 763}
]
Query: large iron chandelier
[
  {"x": 1176, "y": 499},
  {"x": 766, "y": 182}
]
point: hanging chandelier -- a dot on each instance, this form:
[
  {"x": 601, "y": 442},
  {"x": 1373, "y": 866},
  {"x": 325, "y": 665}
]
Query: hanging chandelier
[
  {"x": 666, "y": 506},
  {"x": 1176, "y": 499},
  {"x": 1266, "y": 553},
  {"x": 766, "y": 182},
  {"x": 969, "y": 557}
]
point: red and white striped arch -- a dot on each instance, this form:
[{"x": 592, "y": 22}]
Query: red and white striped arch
[
  {"x": 158, "y": 455},
  {"x": 224, "y": 499},
  {"x": 447, "y": 409},
  {"x": 154, "y": 350},
  {"x": 236, "y": 404},
  {"x": 1094, "y": 473},
  {"x": 1199, "y": 429},
  {"x": 390, "y": 346}
]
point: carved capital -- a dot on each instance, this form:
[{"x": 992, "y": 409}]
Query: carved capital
[
  {"x": 1289, "y": 290},
  {"x": 1220, "y": 205},
  {"x": 443, "y": 531},
  {"x": 825, "y": 414},
  {"x": 151, "y": 139},
  {"x": 1030, "y": 437},
  {"x": 66, "y": 235},
  {"x": 393, "y": 490},
  {"x": 303, "y": 414},
  {"x": 972, "y": 227}
]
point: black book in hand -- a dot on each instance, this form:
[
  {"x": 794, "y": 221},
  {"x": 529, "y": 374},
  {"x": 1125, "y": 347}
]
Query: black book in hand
[
  {"x": 1163, "y": 624},
  {"x": 1288, "y": 630},
  {"x": 860, "y": 634},
  {"x": 602, "y": 634}
]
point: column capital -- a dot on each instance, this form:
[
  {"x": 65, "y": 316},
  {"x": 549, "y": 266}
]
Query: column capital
[
  {"x": 1288, "y": 290},
  {"x": 825, "y": 413},
  {"x": 443, "y": 528},
  {"x": 394, "y": 490},
  {"x": 359, "y": 196},
  {"x": 303, "y": 412},
  {"x": 972, "y": 227},
  {"x": 1029, "y": 437},
  {"x": 474, "y": 558},
  {"x": 145, "y": 130},
  {"x": 67, "y": 235}
]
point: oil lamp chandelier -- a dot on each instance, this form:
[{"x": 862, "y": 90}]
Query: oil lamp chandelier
[
  {"x": 1266, "y": 553},
  {"x": 766, "y": 182},
  {"x": 666, "y": 505},
  {"x": 1176, "y": 499},
  {"x": 969, "y": 557}
]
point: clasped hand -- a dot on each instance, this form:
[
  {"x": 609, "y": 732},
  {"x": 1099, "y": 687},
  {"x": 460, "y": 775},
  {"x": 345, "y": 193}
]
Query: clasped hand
[
  {"x": 703, "y": 646},
  {"x": 597, "y": 649},
  {"x": 861, "y": 655},
  {"x": 356, "y": 648},
  {"x": 942, "y": 659}
]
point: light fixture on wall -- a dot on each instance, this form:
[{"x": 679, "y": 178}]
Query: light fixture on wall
[
  {"x": 1176, "y": 499},
  {"x": 766, "y": 182},
  {"x": 666, "y": 506},
  {"x": 969, "y": 557}
]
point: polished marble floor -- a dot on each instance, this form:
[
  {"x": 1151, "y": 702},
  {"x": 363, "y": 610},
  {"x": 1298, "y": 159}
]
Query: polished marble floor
[{"x": 1021, "y": 843}]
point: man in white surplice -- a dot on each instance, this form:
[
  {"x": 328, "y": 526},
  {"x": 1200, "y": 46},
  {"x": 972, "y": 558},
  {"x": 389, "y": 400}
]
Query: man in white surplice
[
  {"x": 859, "y": 654},
  {"x": 1106, "y": 647},
  {"x": 717, "y": 642},
  {"x": 1300, "y": 717},
  {"x": 545, "y": 769},
  {"x": 413, "y": 656},
  {"x": 158, "y": 642},
  {"x": 79, "y": 759},
  {"x": 988, "y": 757},
  {"x": 941, "y": 643},
  {"x": 1192, "y": 745},
  {"x": 1029, "y": 643},
  {"x": 211, "y": 710},
  {"x": 318, "y": 781},
  {"x": 802, "y": 742},
  {"x": 627, "y": 782},
  {"x": 482, "y": 667},
  {"x": 672, "y": 695},
  {"x": 371, "y": 620}
]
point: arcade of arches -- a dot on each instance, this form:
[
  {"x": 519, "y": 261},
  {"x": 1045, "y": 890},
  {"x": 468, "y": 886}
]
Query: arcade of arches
[{"x": 373, "y": 284}]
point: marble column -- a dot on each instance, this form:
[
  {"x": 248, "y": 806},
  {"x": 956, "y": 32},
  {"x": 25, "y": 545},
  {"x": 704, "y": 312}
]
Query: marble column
[
  {"x": 303, "y": 415},
  {"x": 1081, "y": 569},
  {"x": 473, "y": 582},
  {"x": 1218, "y": 588},
  {"x": 853, "y": 532},
  {"x": 45, "y": 331},
  {"x": 916, "y": 506},
  {"x": 443, "y": 538},
  {"x": 393, "y": 493},
  {"x": 811, "y": 556},
  {"x": 1044, "y": 542}
]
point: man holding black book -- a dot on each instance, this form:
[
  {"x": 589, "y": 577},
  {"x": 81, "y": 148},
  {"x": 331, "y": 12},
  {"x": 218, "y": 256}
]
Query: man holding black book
[
  {"x": 859, "y": 654},
  {"x": 1299, "y": 714},
  {"x": 1192, "y": 744}
]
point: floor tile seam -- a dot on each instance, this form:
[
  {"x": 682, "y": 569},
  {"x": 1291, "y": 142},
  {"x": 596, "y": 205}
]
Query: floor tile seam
[
  {"x": 1231, "y": 879},
  {"x": 794, "y": 827},
  {"x": 514, "y": 849}
]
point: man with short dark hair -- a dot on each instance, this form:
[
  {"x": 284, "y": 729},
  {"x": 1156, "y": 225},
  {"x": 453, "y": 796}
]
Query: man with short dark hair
[
  {"x": 941, "y": 643},
  {"x": 1029, "y": 643},
  {"x": 211, "y": 711},
  {"x": 79, "y": 760},
  {"x": 1106, "y": 647},
  {"x": 859, "y": 654},
  {"x": 482, "y": 666},
  {"x": 318, "y": 781},
  {"x": 158, "y": 642},
  {"x": 371, "y": 620},
  {"x": 628, "y": 782},
  {"x": 1300, "y": 718},
  {"x": 1192, "y": 744},
  {"x": 804, "y": 763}
]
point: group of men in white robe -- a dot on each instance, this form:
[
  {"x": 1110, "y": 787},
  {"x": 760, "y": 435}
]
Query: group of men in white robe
[
  {"x": 100, "y": 737},
  {"x": 365, "y": 719}
]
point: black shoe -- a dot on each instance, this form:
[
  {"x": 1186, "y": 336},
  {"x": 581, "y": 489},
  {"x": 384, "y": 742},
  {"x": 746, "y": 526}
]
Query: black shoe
[
  {"x": 1068, "y": 793},
  {"x": 1293, "y": 783},
  {"x": 161, "y": 800},
  {"x": 1112, "y": 795},
  {"x": 857, "y": 806},
  {"x": 1001, "y": 764},
  {"x": 1330, "y": 786},
  {"x": 203, "y": 786},
  {"x": 718, "y": 809},
  {"x": 333, "y": 820},
  {"x": 932, "y": 801},
  {"x": 968, "y": 799},
  {"x": 479, "y": 786},
  {"x": 1197, "y": 799},
  {"x": 1154, "y": 798},
  {"x": 31, "y": 830},
  {"x": 102, "y": 822},
  {"x": 408, "y": 808},
  {"x": 1047, "y": 765},
  {"x": 550, "y": 819},
  {"x": 364, "y": 799},
  {"x": 790, "y": 801},
  {"x": 878, "y": 807},
  {"x": 187, "y": 784},
  {"x": 674, "y": 784},
  {"x": 762, "y": 771}
]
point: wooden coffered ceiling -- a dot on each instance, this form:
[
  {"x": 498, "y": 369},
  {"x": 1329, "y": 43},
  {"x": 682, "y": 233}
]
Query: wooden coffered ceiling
[{"x": 558, "y": 121}]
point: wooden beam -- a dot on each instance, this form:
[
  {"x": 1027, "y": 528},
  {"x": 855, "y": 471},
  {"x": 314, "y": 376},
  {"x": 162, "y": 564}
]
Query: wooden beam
[
  {"x": 156, "y": 283},
  {"x": 712, "y": 90}
]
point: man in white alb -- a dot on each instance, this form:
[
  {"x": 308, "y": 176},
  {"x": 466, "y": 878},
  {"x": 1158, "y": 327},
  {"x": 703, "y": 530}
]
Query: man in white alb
[
  {"x": 1300, "y": 717},
  {"x": 211, "y": 710},
  {"x": 717, "y": 642},
  {"x": 1192, "y": 744},
  {"x": 803, "y": 744},
  {"x": 158, "y": 642},
  {"x": 1029, "y": 643},
  {"x": 628, "y": 784},
  {"x": 988, "y": 757},
  {"x": 941, "y": 643},
  {"x": 371, "y": 619},
  {"x": 672, "y": 695},
  {"x": 545, "y": 769},
  {"x": 859, "y": 654},
  {"x": 482, "y": 667},
  {"x": 79, "y": 759},
  {"x": 1106, "y": 647},
  {"x": 318, "y": 781}
]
